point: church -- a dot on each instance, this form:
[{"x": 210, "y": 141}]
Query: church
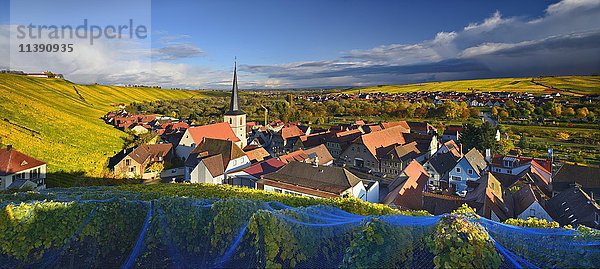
[
  {"x": 235, "y": 116},
  {"x": 233, "y": 127}
]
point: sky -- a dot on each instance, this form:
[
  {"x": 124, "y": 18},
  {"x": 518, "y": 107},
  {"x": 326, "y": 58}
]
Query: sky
[{"x": 301, "y": 44}]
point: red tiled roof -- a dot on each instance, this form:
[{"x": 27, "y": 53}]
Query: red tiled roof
[
  {"x": 384, "y": 138},
  {"x": 220, "y": 130},
  {"x": 290, "y": 131},
  {"x": 257, "y": 154},
  {"x": 409, "y": 194},
  {"x": 12, "y": 161},
  {"x": 264, "y": 167},
  {"x": 298, "y": 155},
  {"x": 404, "y": 124},
  {"x": 321, "y": 152}
]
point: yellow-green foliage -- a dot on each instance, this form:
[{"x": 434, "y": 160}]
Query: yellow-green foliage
[
  {"x": 532, "y": 223},
  {"x": 576, "y": 84},
  {"x": 24, "y": 227},
  {"x": 459, "y": 242},
  {"x": 352, "y": 205},
  {"x": 68, "y": 133}
]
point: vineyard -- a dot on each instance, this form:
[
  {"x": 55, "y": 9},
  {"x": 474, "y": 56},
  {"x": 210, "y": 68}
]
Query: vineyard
[
  {"x": 577, "y": 85},
  {"x": 60, "y": 122},
  {"x": 103, "y": 227}
]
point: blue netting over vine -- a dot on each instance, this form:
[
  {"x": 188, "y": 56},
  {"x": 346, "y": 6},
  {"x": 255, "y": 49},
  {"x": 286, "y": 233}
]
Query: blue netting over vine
[{"x": 106, "y": 228}]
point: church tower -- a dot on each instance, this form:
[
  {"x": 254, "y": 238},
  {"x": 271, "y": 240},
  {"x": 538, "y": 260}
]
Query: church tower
[{"x": 235, "y": 116}]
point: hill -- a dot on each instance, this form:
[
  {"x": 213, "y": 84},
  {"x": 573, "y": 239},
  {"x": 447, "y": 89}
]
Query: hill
[
  {"x": 60, "y": 122},
  {"x": 577, "y": 85}
]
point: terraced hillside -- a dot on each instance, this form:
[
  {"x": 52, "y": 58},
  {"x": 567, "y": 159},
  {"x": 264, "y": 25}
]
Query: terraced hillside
[
  {"x": 59, "y": 122},
  {"x": 569, "y": 84}
]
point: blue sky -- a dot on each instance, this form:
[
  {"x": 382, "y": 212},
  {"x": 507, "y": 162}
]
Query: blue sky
[{"x": 289, "y": 44}]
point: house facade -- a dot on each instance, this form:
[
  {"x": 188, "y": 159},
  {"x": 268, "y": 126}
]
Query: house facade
[
  {"x": 468, "y": 168},
  {"x": 20, "y": 171},
  {"x": 134, "y": 162}
]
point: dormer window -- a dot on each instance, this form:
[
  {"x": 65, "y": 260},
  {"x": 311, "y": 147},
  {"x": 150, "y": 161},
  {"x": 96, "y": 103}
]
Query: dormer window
[{"x": 23, "y": 163}]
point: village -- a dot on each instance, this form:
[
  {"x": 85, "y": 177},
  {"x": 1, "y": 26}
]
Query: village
[{"x": 405, "y": 165}]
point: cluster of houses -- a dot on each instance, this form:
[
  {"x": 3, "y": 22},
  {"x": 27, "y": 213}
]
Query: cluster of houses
[
  {"x": 405, "y": 165},
  {"x": 472, "y": 99}
]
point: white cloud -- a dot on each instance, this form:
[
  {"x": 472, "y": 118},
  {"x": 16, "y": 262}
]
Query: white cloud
[{"x": 488, "y": 24}]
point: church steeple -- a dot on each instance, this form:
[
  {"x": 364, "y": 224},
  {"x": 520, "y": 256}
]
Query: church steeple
[{"x": 234, "y": 105}]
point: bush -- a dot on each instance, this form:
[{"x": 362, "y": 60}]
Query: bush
[
  {"x": 351, "y": 205},
  {"x": 459, "y": 242},
  {"x": 532, "y": 223}
]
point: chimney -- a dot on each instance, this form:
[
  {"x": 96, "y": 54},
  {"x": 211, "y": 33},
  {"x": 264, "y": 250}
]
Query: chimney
[
  {"x": 488, "y": 155},
  {"x": 461, "y": 149},
  {"x": 316, "y": 161}
]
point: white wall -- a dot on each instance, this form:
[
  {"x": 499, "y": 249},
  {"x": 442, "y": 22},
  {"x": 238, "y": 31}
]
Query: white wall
[
  {"x": 185, "y": 146},
  {"x": 7, "y": 180},
  {"x": 539, "y": 212},
  {"x": 238, "y": 163}
]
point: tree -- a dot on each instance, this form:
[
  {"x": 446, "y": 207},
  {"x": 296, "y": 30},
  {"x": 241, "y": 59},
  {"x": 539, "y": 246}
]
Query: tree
[
  {"x": 505, "y": 146},
  {"x": 465, "y": 114},
  {"x": 474, "y": 112},
  {"x": 523, "y": 142},
  {"x": 503, "y": 114},
  {"x": 569, "y": 112},
  {"x": 582, "y": 113},
  {"x": 470, "y": 136},
  {"x": 156, "y": 168},
  {"x": 494, "y": 111}
]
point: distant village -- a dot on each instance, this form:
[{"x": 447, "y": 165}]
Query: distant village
[
  {"x": 472, "y": 99},
  {"x": 406, "y": 165}
]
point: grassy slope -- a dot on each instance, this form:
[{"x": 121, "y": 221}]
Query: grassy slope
[
  {"x": 576, "y": 84},
  {"x": 72, "y": 137}
]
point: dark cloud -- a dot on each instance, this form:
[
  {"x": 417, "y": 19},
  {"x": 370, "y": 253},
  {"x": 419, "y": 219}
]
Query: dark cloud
[{"x": 564, "y": 41}]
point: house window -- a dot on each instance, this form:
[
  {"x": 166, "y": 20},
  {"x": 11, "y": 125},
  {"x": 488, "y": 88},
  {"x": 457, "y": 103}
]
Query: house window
[
  {"x": 455, "y": 178},
  {"x": 597, "y": 218},
  {"x": 127, "y": 162},
  {"x": 470, "y": 171},
  {"x": 241, "y": 122},
  {"x": 532, "y": 212},
  {"x": 457, "y": 169},
  {"x": 277, "y": 190},
  {"x": 132, "y": 169}
]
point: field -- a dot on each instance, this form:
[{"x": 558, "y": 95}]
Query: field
[
  {"x": 573, "y": 84},
  {"x": 60, "y": 122}
]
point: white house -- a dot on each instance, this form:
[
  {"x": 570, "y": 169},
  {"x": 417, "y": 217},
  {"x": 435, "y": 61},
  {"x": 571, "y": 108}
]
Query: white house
[
  {"x": 469, "y": 168},
  {"x": 19, "y": 171},
  {"x": 528, "y": 204},
  {"x": 230, "y": 155},
  {"x": 207, "y": 169}
]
